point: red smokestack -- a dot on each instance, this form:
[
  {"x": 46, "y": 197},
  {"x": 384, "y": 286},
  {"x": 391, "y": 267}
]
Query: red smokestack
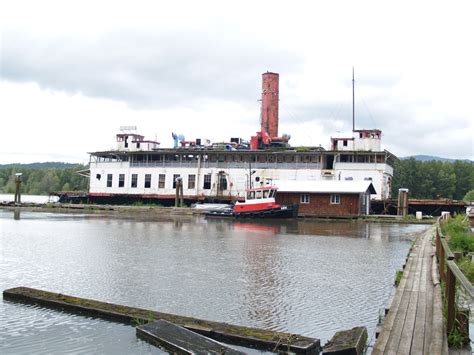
[{"x": 270, "y": 103}]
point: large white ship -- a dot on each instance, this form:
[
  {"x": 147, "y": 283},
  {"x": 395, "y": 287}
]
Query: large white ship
[{"x": 140, "y": 169}]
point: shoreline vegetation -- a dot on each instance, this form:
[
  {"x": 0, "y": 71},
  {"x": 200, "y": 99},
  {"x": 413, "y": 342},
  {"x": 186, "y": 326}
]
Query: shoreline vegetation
[{"x": 460, "y": 240}]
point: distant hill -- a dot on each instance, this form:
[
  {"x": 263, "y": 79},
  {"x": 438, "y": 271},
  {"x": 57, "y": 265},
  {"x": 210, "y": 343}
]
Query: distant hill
[
  {"x": 46, "y": 165},
  {"x": 431, "y": 157}
]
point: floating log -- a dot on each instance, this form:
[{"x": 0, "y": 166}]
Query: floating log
[
  {"x": 180, "y": 340},
  {"x": 232, "y": 334}
]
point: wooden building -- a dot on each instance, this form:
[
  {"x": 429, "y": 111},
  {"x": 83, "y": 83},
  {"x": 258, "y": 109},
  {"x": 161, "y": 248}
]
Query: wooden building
[{"x": 327, "y": 198}]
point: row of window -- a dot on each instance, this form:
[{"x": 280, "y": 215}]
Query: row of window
[
  {"x": 335, "y": 199},
  {"x": 161, "y": 181}
]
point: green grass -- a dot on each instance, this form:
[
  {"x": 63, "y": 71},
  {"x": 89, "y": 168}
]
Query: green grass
[
  {"x": 458, "y": 233},
  {"x": 398, "y": 277}
]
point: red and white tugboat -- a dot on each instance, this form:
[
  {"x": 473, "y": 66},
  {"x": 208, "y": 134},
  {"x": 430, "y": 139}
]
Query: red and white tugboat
[{"x": 259, "y": 203}]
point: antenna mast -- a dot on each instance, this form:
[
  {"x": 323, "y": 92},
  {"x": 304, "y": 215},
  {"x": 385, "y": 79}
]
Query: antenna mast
[{"x": 353, "y": 102}]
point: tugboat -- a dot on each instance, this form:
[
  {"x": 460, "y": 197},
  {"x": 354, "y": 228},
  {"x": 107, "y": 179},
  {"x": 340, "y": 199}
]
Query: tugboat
[{"x": 259, "y": 203}]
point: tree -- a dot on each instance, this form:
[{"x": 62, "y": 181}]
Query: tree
[{"x": 469, "y": 196}]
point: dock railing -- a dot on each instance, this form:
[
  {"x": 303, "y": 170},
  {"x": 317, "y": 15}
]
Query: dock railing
[{"x": 451, "y": 274}]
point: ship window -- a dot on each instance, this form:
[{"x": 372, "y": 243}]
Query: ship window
[
  {"x": 147, "y": 181},
  {"x": 121, "y": 180},
  {"x": 109, "y": 180},
  {"x": 272, "y": 193},
  {"x": 257, "y": 178},
  {"x": 161, "y": 181},
  {"x": 134, "y": 180},
  {"x": 250, "y": 195},
  {"x": 175, "y": 176},
  {"x": 258, "y": 194},
  {"x": 344, "y": 142},
  {"x": 349, "y": 178},
  {"x": 335, "y": 199},
  {"x": 304, "y": 198},
  {"x": 191, "y": 181},
  {"x": 368, "y": 179},
  {"x": 207, "y": 182},
  {"x": 138, "y": 144},
  {"x": 265, "y": 193},
  {"x": 98, "y": 176}
]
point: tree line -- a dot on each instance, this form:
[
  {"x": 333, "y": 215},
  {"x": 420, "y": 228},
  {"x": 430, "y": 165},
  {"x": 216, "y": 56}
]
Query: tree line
[
  {"x": 434, "y": 179},
  {"x": 42, "y": 181}
]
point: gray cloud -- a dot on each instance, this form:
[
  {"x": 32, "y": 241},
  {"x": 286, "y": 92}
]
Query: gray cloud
[{"x": 146, "y": 70}]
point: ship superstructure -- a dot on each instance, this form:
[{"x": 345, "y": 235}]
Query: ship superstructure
[{"x": 141, "y": 169}]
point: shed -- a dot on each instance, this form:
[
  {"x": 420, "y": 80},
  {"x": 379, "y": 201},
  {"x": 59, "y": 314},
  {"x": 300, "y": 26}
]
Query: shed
[{"x": 327, "y": 198}]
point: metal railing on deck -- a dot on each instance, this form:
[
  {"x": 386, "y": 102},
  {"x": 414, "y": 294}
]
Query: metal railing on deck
[{"x": 451, "y": 274}]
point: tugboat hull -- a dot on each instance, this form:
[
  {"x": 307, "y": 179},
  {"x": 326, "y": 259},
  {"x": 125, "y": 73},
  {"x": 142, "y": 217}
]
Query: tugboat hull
[{"x": 290, "y": 211}]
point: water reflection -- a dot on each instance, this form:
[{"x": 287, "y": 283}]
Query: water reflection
[{"x": 302, "y": 276}]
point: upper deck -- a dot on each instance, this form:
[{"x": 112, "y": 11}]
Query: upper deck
[{"x": 316, "y": 158}]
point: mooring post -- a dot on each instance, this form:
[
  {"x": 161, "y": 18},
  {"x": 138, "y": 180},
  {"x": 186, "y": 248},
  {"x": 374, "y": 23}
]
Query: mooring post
[{"x": 18, "y": 188}]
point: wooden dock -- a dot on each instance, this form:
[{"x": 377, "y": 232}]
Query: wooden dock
[{"x": 414, "y": 323}]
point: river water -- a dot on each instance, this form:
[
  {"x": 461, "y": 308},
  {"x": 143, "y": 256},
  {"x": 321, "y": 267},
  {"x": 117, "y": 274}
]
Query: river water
[{"x": 307, "y": 277}]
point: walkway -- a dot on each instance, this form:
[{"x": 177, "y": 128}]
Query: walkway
[{"x": 414, "y": 323}]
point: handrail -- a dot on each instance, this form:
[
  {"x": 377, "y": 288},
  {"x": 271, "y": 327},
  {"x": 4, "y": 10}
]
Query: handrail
[
  {"x": 450, "y": 276},
  {"x": 465, "y": 283}
]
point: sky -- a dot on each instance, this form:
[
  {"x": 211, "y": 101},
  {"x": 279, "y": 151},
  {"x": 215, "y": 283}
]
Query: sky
[{"x": 73, "y": 72}]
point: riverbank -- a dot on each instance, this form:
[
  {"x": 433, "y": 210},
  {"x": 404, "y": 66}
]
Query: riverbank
[{"x": 186, "y": 211}]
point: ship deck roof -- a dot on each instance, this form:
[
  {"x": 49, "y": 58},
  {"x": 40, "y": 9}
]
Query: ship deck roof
[{"x": 321, "y": 186}]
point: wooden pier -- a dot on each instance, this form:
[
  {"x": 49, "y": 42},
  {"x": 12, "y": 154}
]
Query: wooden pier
[{"x": 414, "y": 323}]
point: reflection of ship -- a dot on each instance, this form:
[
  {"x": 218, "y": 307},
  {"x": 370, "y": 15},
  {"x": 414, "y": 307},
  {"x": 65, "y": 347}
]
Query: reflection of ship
[
  {"x": 139, "y": 169},
  {"x": 259, "y": 203},
  {"x": 257, "y": 227}
]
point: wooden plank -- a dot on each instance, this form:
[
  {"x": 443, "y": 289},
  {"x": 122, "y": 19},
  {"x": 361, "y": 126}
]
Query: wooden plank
[
  {"x": 419, "y": 334},
  {"x": 437, "y": 332},
  {"x": 233, "y": 334},
  {"x": 388, "y": 324},
  {"x": 429, "y": 310},
  {"x": 180, "y": 340},
  {"x": 406, "y": 338},
  {"x": 396, "y": 333}
]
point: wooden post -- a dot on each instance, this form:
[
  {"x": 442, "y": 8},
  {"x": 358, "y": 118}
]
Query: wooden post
[
  {"x": 18, "y": 188},
  {"x": 179, "y": 192},
  {"x": 450, "y": 296}
]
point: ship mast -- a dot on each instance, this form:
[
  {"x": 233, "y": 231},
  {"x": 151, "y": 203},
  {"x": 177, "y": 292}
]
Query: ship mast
[{"x": 353, "y": 102}]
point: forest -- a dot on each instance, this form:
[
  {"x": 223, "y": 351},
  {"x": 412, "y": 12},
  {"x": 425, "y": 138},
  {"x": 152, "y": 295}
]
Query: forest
[
  {"x": 424, "y": 179},
  {"x": 434, "y": 179},
  {"x": 41, "y": 179}
]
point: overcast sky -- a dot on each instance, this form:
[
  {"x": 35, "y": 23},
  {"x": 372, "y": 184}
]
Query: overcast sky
[{"x": 73, "y": 72}]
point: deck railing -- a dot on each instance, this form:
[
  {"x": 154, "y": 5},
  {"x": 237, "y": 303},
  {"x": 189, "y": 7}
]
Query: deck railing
[{"x": 451, "y": 274}]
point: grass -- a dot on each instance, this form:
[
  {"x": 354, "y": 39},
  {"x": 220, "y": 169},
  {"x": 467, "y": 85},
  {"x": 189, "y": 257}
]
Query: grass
[
  {"x": 460, "y": 239},
  {"x": 398, "y": 277}
]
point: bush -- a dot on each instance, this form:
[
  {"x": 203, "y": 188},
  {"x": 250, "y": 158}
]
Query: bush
[{"x": 457, "y": 231}]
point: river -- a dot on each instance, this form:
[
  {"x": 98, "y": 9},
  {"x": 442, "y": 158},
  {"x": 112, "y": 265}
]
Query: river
[{"x": 305, "y": 276}]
